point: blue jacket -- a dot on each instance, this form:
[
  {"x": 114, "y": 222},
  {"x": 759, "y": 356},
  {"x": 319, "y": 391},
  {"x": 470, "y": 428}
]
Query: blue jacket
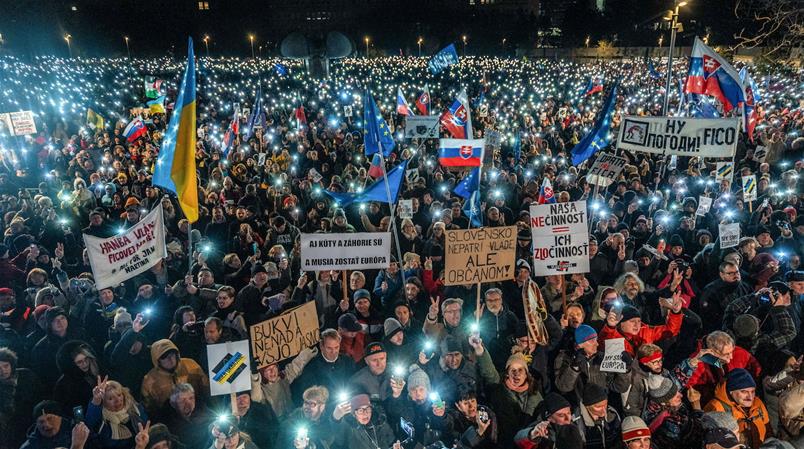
[{"x": 102, "y": 432}]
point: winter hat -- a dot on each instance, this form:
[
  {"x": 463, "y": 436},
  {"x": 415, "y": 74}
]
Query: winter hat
[
  {"x": 584, "y": 333},
  {"x": 630, "y": 312},
  {"x": 721, "y": 438},
  {"x": 745, "y": 326},
  {"x": 524, "y": 234},
  {"x": 676, "y": 240},
  {"x": 40, "y": 310},
  {"x": 361, "y": 293},
  {"x": 359, "y": 401},
  {"x": 631, "y": 266},
  {"x": 391, "y": 327},
  {"x": 131, "y": 202},
  {"x": 47, "y": 408},
  {"x": 122, "y": 319},
  {"x": 724, "y": 420},
  {"x": 517, "y": 358},
  {"x": 418, "y": 378},
  {"x": 522, "y": 263},
  {"x": 451, "y": 344},
  {"x": 258, "y": 268},
  {"x": 780, "y": 287},
  {"x": 348, "y": 321},
  {"x": 373, "y": 348},
  {"x": 738, "y": 379},
  {"x": 661, "y": 389},
  {"x": 159, "y": 433},
  {"x": 554, "y": 402},
  {"x": 54, "y": 312},
  {"x": 339, "y": 213},
  {"x": 5, "y": 291},
  {"x": 594, "y": 393},
  {"x": 634, "y": 428}
]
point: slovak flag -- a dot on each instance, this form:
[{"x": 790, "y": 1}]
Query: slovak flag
[
  {"x": 750, "y": 112},
  {"x": 546, "y": 195},
  {"x": 710, "y": 74},
  {"x": 232, "y": 132},
  {"x": 423, "y": 102},
  {"x": 402, "y": 104},
  {"x": 461, "y": 152},
  {"x": 457, "y": 119},
  {"x": 135, "y": 129}
]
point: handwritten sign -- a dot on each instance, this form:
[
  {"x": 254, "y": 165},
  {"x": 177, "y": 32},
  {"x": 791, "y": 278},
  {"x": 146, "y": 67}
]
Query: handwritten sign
[
  {"x": 284, "y": 336},
  {"x": 560, "y": 238},
  {"x": 729, "y": 235},
  {"x": 116, "y": 259},
  {"x": 606, "y": 169},
  {"x": 704, "y": 204},
  {"x": 613, "y": 359},
  {"x": 480, "y": 255}
]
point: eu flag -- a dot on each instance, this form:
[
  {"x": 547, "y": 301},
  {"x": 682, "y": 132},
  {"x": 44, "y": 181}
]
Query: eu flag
[
  {"x": 472, "y": 209},
  {"x": 377, "y": 135},
  {"x": 257, "y": 118},
  {"x": 376, "y": 191},
  {"x": 469, "y": 184},
  {"x": 598, "y": 138}
]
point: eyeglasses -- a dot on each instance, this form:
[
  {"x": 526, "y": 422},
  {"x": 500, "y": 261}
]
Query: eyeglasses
[
  {"x": 363, "y": 410},
  {"x": 730, "y": 273},
  {"x": 312, "y": 403}
]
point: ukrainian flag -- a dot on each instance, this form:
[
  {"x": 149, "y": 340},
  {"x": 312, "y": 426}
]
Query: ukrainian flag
[{"x": 175, "y": 166}]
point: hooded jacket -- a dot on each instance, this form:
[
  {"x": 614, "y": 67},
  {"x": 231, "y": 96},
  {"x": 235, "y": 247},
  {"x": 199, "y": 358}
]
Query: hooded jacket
[
  {"x": 646, "y": 334},
  {"x": 753, "y": 422},
  {"x": 74, "y": 387},
  {"x": 158, "y": 383}
]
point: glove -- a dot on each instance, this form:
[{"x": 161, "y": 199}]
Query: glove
[
  {"x": 626, "y": 357},
  {"x": 578, "y": 360}
]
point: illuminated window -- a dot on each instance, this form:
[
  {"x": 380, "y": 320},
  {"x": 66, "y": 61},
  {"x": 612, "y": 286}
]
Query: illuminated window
[{"x": 203, "y": 6}]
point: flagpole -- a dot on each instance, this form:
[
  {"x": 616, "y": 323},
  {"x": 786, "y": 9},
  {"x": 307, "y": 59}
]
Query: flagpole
[
  {"x": 391, "y": 206},
  {"x": 190, "y": 247}
]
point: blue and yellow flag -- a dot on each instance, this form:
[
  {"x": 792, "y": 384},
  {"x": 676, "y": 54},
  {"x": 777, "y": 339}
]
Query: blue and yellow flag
[{"x": 175, "y": 166}]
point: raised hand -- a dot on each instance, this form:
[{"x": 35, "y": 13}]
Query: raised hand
[
  {"x": 99, "y": 390},
  {"x": 142, "y": 437},
  {"x": 139, "y": 323}
]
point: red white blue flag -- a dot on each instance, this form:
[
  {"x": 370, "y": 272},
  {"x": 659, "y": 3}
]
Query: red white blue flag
[
  {"x": 461, "y": 152},
  {"x": 546, "y": 194},
  {"x": 135, "y": 129},
  {"x": 710, "y": 74},
  {"x": 402, "y": 104}
]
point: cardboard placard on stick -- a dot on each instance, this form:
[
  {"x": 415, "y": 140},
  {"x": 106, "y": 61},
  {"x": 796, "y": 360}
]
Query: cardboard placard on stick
[
  {"x": 480, "y": 255},
  {"x": 284, "y": 336}
]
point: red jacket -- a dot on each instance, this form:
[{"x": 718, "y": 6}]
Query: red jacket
[
  {"x": 706, "y": 377},
  {"x": 647, "y": 334}
]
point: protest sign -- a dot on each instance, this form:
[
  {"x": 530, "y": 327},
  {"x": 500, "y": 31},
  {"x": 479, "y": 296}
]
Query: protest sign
[
  {"x": 347, "y": 111},
  {"x": 422, "y": 126},
  {"x": 284, "y": 336},
  {"x": 350, "y": 251},
  {"x": 725, "y": 170},
  {"x": 750, "y": 188},
  {"x": 681, "y": 136},
  {"x": 116, "y": 259},
  {"x": 760, "y": 153},
  {"x": 704, "y": 204},
  {"x": 613, "y": 358},
  {"x": 493, "y": 139},
  {"x": 316, "y": 177},
  {"x": 229, "y": 367},
  {"x": 19, "y": 123},
  {"x": 479, "y": 255},
  {"x": 405, "y": 209},
  {"x": 412, "y": 175},
  {"x": 729, "y": 234},
  {"x": 606, "y": 169},
  {"x": 560, "y": 238}
]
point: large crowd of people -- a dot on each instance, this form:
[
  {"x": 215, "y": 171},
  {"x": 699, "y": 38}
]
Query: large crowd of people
[{"x": 712, "y": 335}]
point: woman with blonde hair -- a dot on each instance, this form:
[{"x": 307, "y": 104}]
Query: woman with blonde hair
[{"x": 113, "y": 415}]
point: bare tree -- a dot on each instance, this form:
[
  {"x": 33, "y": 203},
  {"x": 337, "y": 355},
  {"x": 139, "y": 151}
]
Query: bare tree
[{"x": 777, "y": 26}]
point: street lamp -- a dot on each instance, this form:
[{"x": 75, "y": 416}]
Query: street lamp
[
  {"x": 206, "y": 43},
  {"x": 419, "y": 43},
  {"x": 251, "y": 39},
  {"x": 128, "y": 50},
  {"x": 464, "y": 38},
  {"x": 673, "y": 25},
  {"x": 67, "y": 38},
  {"x": 367, "y": 40}
]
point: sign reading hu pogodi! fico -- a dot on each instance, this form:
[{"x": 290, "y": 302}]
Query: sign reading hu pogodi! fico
[
  {"x": 350, "y": 251},
  {"x": 681, "y": 136},
  {"x": 560, "y": 238}
]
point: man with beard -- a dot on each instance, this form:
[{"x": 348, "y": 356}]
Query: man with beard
[
  {"x": 720, "y": 293},
  {"x": 673, "y": 424},
  {"x": 170, "y": 369},
  {"x": 309, "y": 425}
]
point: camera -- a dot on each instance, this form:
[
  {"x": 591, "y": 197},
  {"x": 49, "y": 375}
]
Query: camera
[{"x": 682, "y": 265}]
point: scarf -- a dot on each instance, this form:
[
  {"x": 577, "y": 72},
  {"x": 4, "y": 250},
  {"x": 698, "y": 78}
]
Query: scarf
[
  {"x": 117, "y": 422},
  {"x": 520, "y": 389}
]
